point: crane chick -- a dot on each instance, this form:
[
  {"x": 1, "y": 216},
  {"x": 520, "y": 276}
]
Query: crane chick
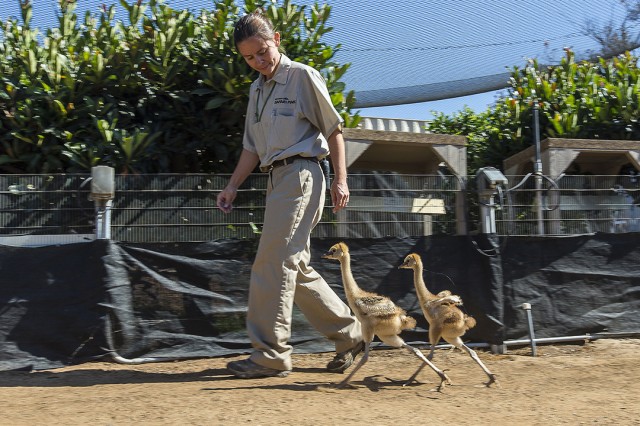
[
  {"x": 378, "y": 315},
  {"x": 445, "y": 319}
]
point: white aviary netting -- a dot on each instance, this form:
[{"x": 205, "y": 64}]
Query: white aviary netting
[{"x": 423, "y": 50}]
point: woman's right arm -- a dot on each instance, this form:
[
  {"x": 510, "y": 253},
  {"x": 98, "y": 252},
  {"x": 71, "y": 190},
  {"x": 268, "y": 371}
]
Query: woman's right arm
[{"x": 246, "y": 164}]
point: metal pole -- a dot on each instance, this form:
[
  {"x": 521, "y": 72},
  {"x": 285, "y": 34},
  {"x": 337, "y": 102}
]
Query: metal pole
[
  {"x": 103, "y": 219},
  {"x": 102, "y": 193},
  {"x": 487, "y": 213},
  {"x": 538, "y": 167},
  {"x": 532, "y": 337}
]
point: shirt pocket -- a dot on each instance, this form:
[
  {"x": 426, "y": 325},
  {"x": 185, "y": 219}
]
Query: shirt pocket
[
  {"x": 284, "y": 112},
  {"x": 285, "y": 127}
]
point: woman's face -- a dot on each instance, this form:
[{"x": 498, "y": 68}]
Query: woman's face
[{"x": 261, "y": 55}]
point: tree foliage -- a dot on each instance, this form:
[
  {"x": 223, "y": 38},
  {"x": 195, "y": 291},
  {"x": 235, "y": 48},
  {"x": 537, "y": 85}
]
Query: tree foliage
[
  {"x": 615, "y": 37},
  {"x": 163, "y": 92},
  {"x": 585, "y": 100}
]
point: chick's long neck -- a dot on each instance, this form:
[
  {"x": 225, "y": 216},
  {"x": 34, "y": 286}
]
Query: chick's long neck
[
  {"x": 351, "y": 289},
  {"x": 424, "y": 295}
]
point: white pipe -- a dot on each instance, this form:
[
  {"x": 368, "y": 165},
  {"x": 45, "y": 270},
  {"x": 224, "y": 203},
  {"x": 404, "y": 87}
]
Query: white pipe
[
  {"x": 520, "y": 342},
  {"x": 552, "y": 339},
  {"x": 120, "y": 359},
  {"x": 532, "y": 335},
  {"x": 133, "y": 361}
]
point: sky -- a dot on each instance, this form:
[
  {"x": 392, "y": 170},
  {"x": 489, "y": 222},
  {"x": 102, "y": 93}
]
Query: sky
[{"x": 425, "y": 45}]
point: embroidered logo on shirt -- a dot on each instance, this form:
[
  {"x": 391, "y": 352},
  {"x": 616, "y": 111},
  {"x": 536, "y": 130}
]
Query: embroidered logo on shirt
[{"x": 284, "y": 101}]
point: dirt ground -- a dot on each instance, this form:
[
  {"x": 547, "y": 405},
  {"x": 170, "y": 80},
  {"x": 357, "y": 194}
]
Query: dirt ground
[{"x": 583, "y": 383}]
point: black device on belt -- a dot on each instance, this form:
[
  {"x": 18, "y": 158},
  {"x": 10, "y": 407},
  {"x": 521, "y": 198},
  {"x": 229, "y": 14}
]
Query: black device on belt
[
  {"x": 285, "y": 161},
  {"x": 326, "y": 170}
]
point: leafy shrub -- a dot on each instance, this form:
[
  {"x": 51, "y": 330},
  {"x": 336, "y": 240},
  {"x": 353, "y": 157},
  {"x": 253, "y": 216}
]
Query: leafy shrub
[{"x": 163, "y": 92}]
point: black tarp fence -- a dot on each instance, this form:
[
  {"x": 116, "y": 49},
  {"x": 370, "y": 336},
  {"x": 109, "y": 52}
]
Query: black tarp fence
[{"x": 68, "y": 304}]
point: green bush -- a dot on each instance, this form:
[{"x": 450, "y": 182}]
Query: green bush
[{"x": 163, "y": 92}]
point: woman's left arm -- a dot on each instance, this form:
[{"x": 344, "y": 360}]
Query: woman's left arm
[{"x": 339, "y": 187}]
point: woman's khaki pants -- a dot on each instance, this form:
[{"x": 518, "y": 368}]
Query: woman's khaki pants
[{"x": 281, "y": 274}]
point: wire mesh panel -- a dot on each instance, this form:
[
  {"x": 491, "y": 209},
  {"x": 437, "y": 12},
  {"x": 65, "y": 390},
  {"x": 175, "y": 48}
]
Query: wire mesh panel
[
  {"x": 53, "y": 204},
  {"x": 167, "y": 208},
  {"x": 570, "y": 205},
  {"x": 399, "y": 205}
]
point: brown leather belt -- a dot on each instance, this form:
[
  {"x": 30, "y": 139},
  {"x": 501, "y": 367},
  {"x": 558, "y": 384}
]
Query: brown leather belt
[{"x": 285, "y": 161}]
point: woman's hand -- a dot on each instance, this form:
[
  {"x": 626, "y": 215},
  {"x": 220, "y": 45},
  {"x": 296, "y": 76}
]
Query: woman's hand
[
  {"x": 226, "y": 197},
  {"x": 339, "y": 195},
  {"x": 246, "y": 163}
]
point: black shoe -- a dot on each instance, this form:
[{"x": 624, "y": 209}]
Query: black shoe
[
  {"x": 343, "y": 360},
  {"x": 247, "y": 369}
]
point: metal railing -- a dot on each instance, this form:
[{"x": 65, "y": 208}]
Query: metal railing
[{"x": 181, "y": 208}]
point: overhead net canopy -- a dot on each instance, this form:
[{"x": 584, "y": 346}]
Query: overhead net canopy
[{"x": 417, "y": 51}]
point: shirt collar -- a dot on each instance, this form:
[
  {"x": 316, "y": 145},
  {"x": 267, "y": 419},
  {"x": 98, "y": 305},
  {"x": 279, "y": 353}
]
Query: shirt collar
[{"x": 282, "y": 72}]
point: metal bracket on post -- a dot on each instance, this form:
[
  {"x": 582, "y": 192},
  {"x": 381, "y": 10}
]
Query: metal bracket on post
[
  {"x": 103, "y": 193},
  {"x": 488, "y": 179}
]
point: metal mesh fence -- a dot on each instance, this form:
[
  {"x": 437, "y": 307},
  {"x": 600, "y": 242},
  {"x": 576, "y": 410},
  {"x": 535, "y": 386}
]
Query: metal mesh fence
[
  {"x": 181, "y": 208},
  {"x": 168, "y": 208},
  {"x": 45, "y": 204},
  {"x": 570, "y": 205}
]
